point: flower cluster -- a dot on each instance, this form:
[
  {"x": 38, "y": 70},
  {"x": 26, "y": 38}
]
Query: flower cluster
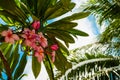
[{"x": 33, "y": 39}]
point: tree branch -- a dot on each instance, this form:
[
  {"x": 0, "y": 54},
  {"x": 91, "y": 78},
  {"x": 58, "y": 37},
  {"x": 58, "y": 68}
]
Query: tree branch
[{"x": 6, "y": 65}]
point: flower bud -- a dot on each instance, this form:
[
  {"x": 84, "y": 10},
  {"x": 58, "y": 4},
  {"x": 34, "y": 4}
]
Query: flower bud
[
  {"x": 54, "y": 47},
  {"x": 36, "y": 25}
]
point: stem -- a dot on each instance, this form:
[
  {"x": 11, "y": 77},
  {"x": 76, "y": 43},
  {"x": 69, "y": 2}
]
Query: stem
[
  {"x": 6, "y": 65},
  {"x": 50, "y": 67}
]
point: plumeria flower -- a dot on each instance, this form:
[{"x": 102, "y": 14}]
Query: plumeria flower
[
  {"x": 30, "y": 36},
  {"x": 36, "y": 25},
  {"x": 9, "y": 36},
  {"x": 42, "y": 40},
  {"x": 54, "y": 47},
  {"x": 39, "y": 54}
]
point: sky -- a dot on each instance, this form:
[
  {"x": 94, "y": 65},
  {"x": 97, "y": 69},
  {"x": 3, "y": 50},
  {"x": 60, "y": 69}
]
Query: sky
[{"x": 87, "y": 25}]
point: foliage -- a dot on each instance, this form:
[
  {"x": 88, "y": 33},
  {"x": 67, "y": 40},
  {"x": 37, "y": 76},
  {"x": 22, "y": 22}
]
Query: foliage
[
  {"x": 99, "y": 61},
  {"x": 20, "y": 14},
  {"x": 107, "y": 15},
  {"x": 91, "y": 62}
]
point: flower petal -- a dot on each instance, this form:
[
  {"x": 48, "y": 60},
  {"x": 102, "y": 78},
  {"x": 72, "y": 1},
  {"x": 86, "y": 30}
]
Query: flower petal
[
  {"x": 10, "y": 40},
  {"x": 28, "y": 43},
  {"x": 24, "y": 36},
  {"x": 4, "y": 33},
  {"x": 15, "y": 37},
  {"x": 40, "y": 56},
  {"x": 42, "y": 40}
]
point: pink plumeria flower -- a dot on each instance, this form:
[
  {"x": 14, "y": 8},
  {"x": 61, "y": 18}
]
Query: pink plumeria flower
[
  {"x": 27, "y": 33},
  {"x": 54, "y": 47},
  {"x": 42, "y": 40},
  {"x": 30, "y": 37},
  {"x": 9, "y": 36},
  {"x": 36, "y": 25},
  {"x": 39, "y": 54}
]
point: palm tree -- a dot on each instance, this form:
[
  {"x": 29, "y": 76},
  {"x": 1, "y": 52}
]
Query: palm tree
[
  {"x": 20, "y": 15},
  {"x": 91, "y": 63},
  {"x": 107, "y": 12}
]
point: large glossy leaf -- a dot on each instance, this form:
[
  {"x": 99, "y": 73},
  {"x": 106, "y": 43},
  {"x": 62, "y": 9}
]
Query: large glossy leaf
[
  {"x": 53, "y": 2},
  {"x": 14, "y": 58},
  {"x": 9, "y": 15},
  {"x": 51, "y": 9},
  {"x": 76, "y": 16},
  {"x": 11, "y": 7},
  {"x": 57, "y": 11},
  {"x": 37, "y": 7},
  {"x": 3, "y": 46},
  {"x": 36, "y": 67},
  {"x": 63, "y": 25},
  {"x": 62, "y": 35},
  {"x": 77, "y": 32},
  {"x": 66, "y": 3},
  {"x": 62, "y": 48},
  {"x": 42, "y": 7},
  {"x": 4, "y": 27},
  {"x": 48, "y": 65},
  {"x": 63, "y": 63},
  {"x": 21, "y": 66},
  {"x": 5, "y": 19}
]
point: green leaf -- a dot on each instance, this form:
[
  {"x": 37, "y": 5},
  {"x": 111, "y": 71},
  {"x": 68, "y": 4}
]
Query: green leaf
[
  {"x": 6, "y": 49},
  {"x": 66, "y": 3},
  {"x": 36, "y": 67},
  {"x": 76, "y": 16},
  {"x": 62, "y": 35},
  {"x": 15, "y": 62},
  {"x": 9, "y": 4},
  {"x": 5, "y": 18},
  {"x": 4, "y": 27},
  {"x": 21, "y": 66},
  {"x": 53, "y": 2},
  {"x": 57, "y": 11},
  {"x": 4, "y": 46},
  {"x": 61, "y": 62},
  {"x": 52, "y": 9},
  {"x": 11, "y": 8},
  {"x": 23, "y": 75},
  {"x": 9, "y": 15},
  {"x": 48, "y": 68},
  {"x": 63, "y": 49},
  {"x": 63, "y": 25},
  {"x": 42, "y": 7},
  {"x": 15, "y": 57},
  {"x": 77, "y": 32}
]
